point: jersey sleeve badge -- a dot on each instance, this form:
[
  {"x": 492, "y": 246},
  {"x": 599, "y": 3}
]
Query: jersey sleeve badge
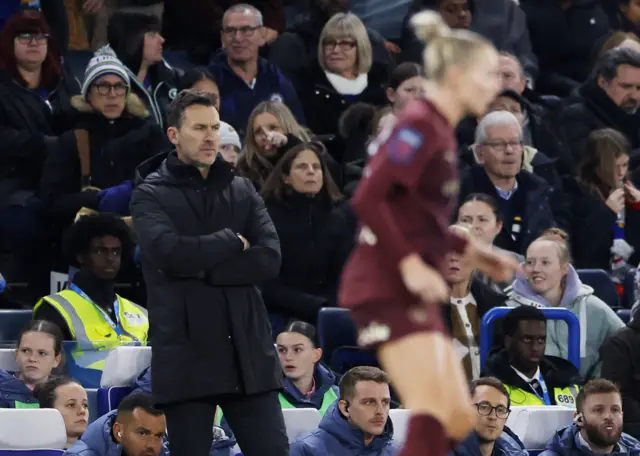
[{"x": 404, "y": 146}]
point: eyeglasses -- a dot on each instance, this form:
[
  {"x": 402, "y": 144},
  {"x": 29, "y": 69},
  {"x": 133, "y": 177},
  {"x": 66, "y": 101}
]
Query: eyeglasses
[
  {"x": 502, "y": 145},
  {"x": 105, "y": 88},
  {"x": 26, "y": 38},
  {"x": 343, "y": 45},
  {"x": 485, "y": 409},
  {"x": 243, "y": 31}
]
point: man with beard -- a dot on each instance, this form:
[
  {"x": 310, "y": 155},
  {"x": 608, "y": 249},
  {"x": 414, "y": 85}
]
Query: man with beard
[{"x": 597, "y": 426}]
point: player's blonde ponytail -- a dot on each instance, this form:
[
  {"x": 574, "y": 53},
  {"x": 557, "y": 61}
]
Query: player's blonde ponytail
[{"x": 428, "y": 25}]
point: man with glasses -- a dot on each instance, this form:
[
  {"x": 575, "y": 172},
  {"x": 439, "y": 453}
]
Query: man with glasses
[
  {"x": 524, "y": 198},
  {"x": 490, "y": 436},
  {"x": 530, "y": 377},
  {"x": 244, "y": 78}
]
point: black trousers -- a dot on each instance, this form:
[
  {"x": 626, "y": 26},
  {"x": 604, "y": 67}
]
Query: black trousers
[{"x": 256, "y": 420}]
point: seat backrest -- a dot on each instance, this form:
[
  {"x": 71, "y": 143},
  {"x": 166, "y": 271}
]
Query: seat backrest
[
  {"x": 31, "y": 452},
  {"x": 8, "y": 359},
  {"x": 629, "y": 296},
  {"x": 535, "y": 426},
  {"x": 400, "y": 420},
  {"x": 30, "y": 429},
  {"x": 625, "y": 315},
  {"x": 335, "y": 329},
  {"x": 602, "y": 285},
  {"x": 300, "y": 421},
  {"x": 123, "y": 365},
  {"x": 12, "y": 322}
]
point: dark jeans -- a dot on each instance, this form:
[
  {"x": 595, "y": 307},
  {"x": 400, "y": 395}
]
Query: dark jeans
[{"x": 255, "y": 420}]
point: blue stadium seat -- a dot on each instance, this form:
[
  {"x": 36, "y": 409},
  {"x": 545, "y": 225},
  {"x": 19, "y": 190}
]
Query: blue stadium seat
[
  {"x": 75, "y": 62},
  {"x": 110, "y": 398},
  {"x": 30, "y": 429},
  {"x": 335, "y": 329},
  {"x": 602, "y": 285},
  {"x": 31, "y": 452},
  {"x": 11, "y": 322},
  {"x": 629, "y": 296},
  {"x": 178, "y": 59},
  {"x": 625, "y": 315}
]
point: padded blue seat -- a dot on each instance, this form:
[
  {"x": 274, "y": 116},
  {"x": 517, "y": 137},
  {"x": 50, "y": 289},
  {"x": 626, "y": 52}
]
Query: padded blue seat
[
  {"x": 629, "y": 296},
  {"x": 335, "y": 329},
  {"x": 12, "y": 322},
  {"x": 602, "y": 285},
  {"x": 625, "y": 315}
]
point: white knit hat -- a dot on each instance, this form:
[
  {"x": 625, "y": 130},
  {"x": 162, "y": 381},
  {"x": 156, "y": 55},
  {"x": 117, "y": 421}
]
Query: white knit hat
[
  {"x": 104, "y": 61},
  {"x": 229, "y": 135}
]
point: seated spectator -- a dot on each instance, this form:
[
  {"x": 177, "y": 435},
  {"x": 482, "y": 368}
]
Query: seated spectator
[
  {"x": 406, "y": 83},
  {"x": 605, "y": 222},
  {"x": 470, "y": 299},
  {"x": 621, "y": 365},
  {"x": 358, "y": 423},
  {"x": 617, "y": 40},
  {"x": 246, "y": 79},
  {"x": 525, "y": 200},
  {"x": 70, "y": 399},
  {"x": 606, "y": 100},
  {"x": 34, "y": 108},
  {"x": 531, "y": 378},
  {"x": 491, "y": 436},
  {"x": 136, "y": 428},
  {"x": 357, "y": 128},
  {"x": 230, "y": 146},
  {"x": 597, "y": 427},
  {"x": 38, "y": 352},
  {"x": 89, "y": 311},
  {"x": 136, "y": 40},
  {"x": 343, "y": 74},
  {"x": 311, "y": 219},
  {"x": 201, "y": 79},
  {"x": 551, "y": 281},
  {"x": 624, "y": 15},
  {"x": 94, "y": 165},
  {"x": 307, "y": 382}
]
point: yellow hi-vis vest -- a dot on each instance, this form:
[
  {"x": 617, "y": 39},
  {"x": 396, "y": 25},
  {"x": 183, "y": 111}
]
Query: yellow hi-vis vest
[
  {"x": 94, "y": 335},
  {"x": 563, "y": 396}
]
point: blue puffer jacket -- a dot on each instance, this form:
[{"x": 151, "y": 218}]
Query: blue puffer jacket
[
  {"x": 336, "y": 436},
  {"x": 566, "y": 442},
  {"x": 324, "y": 379},
  {"x": 507, "y": 445},
  {"x": 12, "y": 390}
]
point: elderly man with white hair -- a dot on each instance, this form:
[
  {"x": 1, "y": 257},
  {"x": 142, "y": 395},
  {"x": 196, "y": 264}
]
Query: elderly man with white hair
[{"x": 524, "y": 199}]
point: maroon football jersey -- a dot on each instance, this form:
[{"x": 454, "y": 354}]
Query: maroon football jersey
[{"x": 405, "y": 202}]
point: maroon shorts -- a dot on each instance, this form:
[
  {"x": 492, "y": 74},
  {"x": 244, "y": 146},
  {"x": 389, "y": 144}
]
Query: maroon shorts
[{"x": 380, "y": 322}]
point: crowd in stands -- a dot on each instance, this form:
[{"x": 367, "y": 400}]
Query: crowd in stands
[{"x": 550, "y": 174}]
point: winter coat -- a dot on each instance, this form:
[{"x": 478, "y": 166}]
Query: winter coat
[
  {"x": 12, "y": 389},
  {"x": 335, "y": 435},
  {"x": 315, "y": 244},
  {"x": 506, "y": 445},
  {"x": 620, "y": 355},
  {"x": 566, "y": 442},
  {"x": 117, "y": 147},
  {"x": 28, "y": 125},
  {"x": 211, "y": 332},
  {"x": 597, "y": 320},
  {"x": 324, "y": 381}
]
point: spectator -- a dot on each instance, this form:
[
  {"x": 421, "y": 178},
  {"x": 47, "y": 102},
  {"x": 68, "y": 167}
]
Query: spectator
[
  {"x": 624, "y": 15},
  {"x": 245, "y": 79},
  {"x": 229, "y": 144},
  {"x": 597, "y": 427},
  {"x": 531, "y": 378},
  {"x": 525, "y": 200},
  {"x": 215, "y": 249},
  {"x": 551, "y": 281},
  {"x": 136, "y": 40},
  {"x": 307, "y": 384},
  {"x": 34, "y": 107},
  {"x": 490, "y": 436},
  {"x": 620, "y": 365},
  {"x": 135, "y": 428},
  {"x": 70, "y": 399},
  {"x": 112, "y": 136},
  {"x": 609, "y": 99},
  {"x": 39, "y": 351},
  {"x": 201, "y": 79},
  {"x": 617, "y": 40},
  {"x": 359, "y": 125},
  {"x": 605, "y": 207},
  {"x": 358, "y": 423},
  {"x": 406, "y": 83},
  {"x": 343, "y": 74},
  {"x": 470, "y": 299},
  {"x": 310, "y": 217},
  {"x": 89, "y": 311}
]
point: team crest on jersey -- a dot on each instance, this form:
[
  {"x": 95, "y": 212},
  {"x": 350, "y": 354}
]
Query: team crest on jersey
[
  {"x": 276, "y": 97},
  {"x": 374, "y": 333},
  {"x": 404, "y": 146}
]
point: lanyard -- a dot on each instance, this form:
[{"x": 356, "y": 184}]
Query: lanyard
[
  {"x": 545, "y": 398},
  {"x": 116, "y": 309}
]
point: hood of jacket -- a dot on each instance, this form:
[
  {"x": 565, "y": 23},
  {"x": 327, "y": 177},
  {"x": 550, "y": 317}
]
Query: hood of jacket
[
  {"x": 13, "y": 389},
  {"x": 133, "y": 106},
  {"x": 566, "y": 442},
  {"x": 507, "y": 445},
  {"x": 324, "y": 380}
]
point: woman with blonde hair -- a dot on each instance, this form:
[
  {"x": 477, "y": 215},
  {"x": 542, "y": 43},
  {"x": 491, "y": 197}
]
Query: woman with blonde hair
[{"x": 393, "y": 281}]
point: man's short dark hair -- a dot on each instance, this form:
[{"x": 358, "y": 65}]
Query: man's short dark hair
[
  {"x": 78, "y": 238},
  {"x": 521, "y": 313},
  {"x": 138, "y": 400},
  {"x": 360, "y": 374},
  {"x": 493, "y": 383},
  {"x": 184, "y": 99},
  {"x": 596, "y": 386},
  {"x": 607, "y": 65}
]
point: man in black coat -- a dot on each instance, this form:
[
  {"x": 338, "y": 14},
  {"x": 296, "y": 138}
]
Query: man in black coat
[{"x": 206, "y": 241}]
